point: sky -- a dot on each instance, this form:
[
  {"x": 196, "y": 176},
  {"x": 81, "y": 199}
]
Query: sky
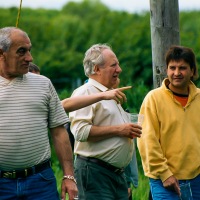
[{"x": 131, "y": 6}]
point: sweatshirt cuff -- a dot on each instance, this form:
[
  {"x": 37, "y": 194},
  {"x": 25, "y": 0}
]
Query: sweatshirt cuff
[{"x": 164, "y": 176}]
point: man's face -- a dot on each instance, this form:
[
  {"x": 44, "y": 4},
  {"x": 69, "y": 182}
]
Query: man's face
[
  {"x": 15, "y": 61},
  {"x": 109, "y": 73},
  {"x": 179, "y": 74}
]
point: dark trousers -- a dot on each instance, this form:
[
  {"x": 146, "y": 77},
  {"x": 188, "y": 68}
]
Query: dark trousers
[{"x": 99, "y": 183}]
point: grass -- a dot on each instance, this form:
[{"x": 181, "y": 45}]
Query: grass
[{"x": 142, "y": 192}]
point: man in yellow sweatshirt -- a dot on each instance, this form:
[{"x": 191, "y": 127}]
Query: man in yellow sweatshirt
[{"x": 170, "y": 143}]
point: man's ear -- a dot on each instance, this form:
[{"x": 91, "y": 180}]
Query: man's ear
[
  {"x": 2, "y": 55},
  {"x": 96, "y": 69},
  {"x": 192, "y": 72}
]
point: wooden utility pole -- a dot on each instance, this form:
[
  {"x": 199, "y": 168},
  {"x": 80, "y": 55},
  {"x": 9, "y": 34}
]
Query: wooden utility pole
[{"x": 164, "y": 18}]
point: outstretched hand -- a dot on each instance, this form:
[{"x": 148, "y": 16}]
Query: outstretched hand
[{"x": 116, "y": 94}]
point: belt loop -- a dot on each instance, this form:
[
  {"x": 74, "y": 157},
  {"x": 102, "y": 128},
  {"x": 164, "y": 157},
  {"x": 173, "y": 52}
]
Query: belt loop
[
  {"x": 26, "y": 172},
  {"x": 14, "y": 174},
  {"x": 50, "y": 163}
]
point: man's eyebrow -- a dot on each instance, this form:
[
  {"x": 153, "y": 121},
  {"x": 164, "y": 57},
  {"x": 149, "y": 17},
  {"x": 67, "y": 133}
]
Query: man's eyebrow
[
  {"x": 25, "y": 48},
  {"x": 22, "y": 48}
]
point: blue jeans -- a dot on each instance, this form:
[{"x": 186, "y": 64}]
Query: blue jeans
[
  {"x": 131, "y": 171},
  {"x": 41, "y": 186},
  {"x": 190, "y": 190}
]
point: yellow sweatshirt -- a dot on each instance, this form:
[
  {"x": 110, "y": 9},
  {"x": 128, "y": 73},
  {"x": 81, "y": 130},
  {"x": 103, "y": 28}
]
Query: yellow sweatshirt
[{"x": 170, "y": 141}]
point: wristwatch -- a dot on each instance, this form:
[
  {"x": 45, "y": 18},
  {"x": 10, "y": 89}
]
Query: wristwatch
[{"x": 70, "y": 178}]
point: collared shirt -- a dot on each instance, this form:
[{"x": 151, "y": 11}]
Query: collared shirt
[{"x": 116, "y": 150}]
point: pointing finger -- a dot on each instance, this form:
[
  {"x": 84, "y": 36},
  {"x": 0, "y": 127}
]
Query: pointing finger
[{"x": 125, "y": 88}]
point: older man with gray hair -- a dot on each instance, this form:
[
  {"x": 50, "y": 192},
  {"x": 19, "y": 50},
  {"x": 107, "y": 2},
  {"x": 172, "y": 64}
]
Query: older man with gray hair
[
  {"x": 29, "y": 105},
  {"x": 104, "y": 137}
]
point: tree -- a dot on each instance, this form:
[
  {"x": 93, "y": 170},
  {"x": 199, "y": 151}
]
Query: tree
[{"x": 164, "y": 15}]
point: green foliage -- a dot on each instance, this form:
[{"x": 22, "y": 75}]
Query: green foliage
[
  {"x": 64, "y": 94},
  {"x": 60, "y": 39},
  {"x": 135, "y": 96}
]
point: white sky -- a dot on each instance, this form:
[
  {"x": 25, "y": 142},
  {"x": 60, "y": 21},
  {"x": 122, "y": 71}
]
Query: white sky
[{"x": 127, "y": 5}]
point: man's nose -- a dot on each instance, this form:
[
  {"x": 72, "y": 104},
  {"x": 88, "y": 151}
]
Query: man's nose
[
  {"x": 28, "y": 56},
  {"x": 119, "y": 69},
  {"x": 177, "y": 72}
]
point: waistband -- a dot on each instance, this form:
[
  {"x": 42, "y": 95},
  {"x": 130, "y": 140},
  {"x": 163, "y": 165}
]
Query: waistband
[
  {"x": 102, "y": 163},
  {"x": 23, "y": 173}
]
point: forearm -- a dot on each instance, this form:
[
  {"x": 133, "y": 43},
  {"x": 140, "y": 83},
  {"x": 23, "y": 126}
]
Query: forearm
[
  {"x": 64, "y": 153},
  {"x": 98, "y": 133},
  {"x": 63, "y": 149},
  {"x": 78, "y": 102}
]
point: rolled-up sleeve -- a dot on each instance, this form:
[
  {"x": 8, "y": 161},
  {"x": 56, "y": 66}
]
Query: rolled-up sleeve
[
  {"x": 80, "y": 128},
  {"x": 82, "y": 119}
]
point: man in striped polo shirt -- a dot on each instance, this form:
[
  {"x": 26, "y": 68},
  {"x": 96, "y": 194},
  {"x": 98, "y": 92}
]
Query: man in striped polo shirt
[{"x": 29, "y": 105}]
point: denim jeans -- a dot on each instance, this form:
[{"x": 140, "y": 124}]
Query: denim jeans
[
  {"x": 131, "y": 171},
  {"x": 190, "y": 190},
  {"x": 41, "y": 186}
]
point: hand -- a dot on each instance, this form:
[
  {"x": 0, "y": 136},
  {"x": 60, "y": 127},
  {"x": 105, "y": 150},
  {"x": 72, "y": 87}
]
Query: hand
[
  {"x": 68, "y": 186},
  {"x": 172, "y": 184},
  {"x": 129, "y": 192},
  {"x": 116, "y": 94},
  {"x": 130, "y": 130}
]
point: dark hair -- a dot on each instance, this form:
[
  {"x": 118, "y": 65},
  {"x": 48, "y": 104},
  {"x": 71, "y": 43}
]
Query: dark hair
[
  {"x": 33, "y": 67},
  {"x": 177, "y": 53}
]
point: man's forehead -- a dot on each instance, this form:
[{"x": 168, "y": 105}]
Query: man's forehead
[
  {"x": 18, "y": 45},
  {"x": 20, "y": 40}
]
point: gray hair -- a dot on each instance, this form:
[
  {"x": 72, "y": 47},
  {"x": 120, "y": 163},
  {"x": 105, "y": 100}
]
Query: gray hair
[
  {"x": 93, "y": 56},
  {"x": 5, "y": 40}
]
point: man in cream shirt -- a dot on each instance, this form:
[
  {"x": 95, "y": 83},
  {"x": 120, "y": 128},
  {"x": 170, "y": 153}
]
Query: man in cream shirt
[{"x": 103, "y": 134}]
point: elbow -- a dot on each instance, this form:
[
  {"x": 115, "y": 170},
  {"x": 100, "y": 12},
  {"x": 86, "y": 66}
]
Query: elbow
[
  {"x": 80, "y": 137},
  {"x": 82, "y": 134}
]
